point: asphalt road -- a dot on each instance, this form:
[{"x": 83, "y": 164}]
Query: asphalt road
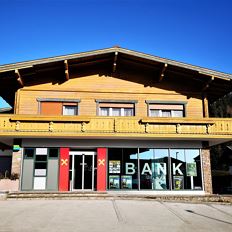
[{"x": 112, "y": 215}]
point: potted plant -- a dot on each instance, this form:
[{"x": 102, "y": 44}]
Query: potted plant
[{"x": 9, "y": 182}]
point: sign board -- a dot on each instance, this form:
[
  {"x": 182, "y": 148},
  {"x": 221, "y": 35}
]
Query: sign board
[
  {"x": 114, "y": 166},
  {"x": 191, "y": 169}
]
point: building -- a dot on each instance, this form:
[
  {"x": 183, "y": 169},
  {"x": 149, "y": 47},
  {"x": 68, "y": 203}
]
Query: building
[{"x": 112, "y": 119}]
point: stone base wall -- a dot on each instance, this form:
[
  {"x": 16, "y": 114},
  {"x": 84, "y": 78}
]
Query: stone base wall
[
  {"x": 16, "y": 162},
  {"x": 206, "y": 167}
]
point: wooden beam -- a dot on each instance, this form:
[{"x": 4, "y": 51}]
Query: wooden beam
[
  {"x": 207, "y": 84},
  {"x": 66, "y": 70},
  {"x": 81, "y": 64},
  {"x": 162, "y": 72},
  {"x": 205, "y": 106},
  {"x": 115, "y": 61},
  {"x": 19, "y": 77}
]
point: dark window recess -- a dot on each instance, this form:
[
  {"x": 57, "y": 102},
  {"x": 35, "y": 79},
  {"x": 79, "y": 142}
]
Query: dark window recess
[
  {"x": 53, "y": 153},
  {"x": 28, "y": 153},
  {"x": 40, "y": 165},
  {"x": 41, "y": 158}
]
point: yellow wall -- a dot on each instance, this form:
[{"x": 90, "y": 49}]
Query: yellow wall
[{"x": 89, "y": 88}]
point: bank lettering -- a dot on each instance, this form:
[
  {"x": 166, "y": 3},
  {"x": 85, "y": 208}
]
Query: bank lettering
[{"x": 156, "y": 167}]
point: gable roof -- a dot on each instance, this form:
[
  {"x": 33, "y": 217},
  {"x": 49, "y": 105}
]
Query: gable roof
[
  {"x": 16, "y": 75},
  {"x": 135, "y": 54}
]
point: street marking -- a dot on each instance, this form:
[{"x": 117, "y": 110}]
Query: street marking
[
  {"x": 117, "y": 212},
  {"x": 174, "y": 212},
  {"x": 222, "y": 211}
]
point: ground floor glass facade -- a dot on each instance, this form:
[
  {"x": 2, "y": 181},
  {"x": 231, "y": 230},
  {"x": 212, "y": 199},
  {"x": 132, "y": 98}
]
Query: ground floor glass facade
[
  {"x": 115, "y": 169},
  {"x": 154, "y": 169}
]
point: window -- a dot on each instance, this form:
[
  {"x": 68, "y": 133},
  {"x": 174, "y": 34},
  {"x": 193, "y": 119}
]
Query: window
[
  {"x": 70, "y": 110},
  {"x": 55, "y": 106},
  {"x": 154, "y": 169},
  {"x": 116, "y": 109},
  {"x": 29, "y": 153},
  {"x": 185, "y": 169},
  {"x": 166, "y": 110},
  {"x": 122, "y": 168}
]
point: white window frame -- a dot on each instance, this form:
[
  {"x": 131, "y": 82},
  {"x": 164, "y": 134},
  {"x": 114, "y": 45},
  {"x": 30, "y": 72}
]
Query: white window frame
[
  {"x": 160, "y": 113},
  {"x": 63, "y": 109},
  {"x": 122, "y": 111}
]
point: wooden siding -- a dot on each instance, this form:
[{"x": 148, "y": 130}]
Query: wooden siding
[
  {"x": 90, "y": 88},
  {"x": 33, "y": 126}
]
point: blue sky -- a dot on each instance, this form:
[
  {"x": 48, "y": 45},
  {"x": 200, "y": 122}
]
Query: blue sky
[{"x": 198, "y": 32}]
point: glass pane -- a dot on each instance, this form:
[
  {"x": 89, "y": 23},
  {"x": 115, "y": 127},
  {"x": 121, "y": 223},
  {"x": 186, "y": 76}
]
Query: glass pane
[
  {"x": 160, "y": 170},
  {"x": 146, "y": 158},
  {"x": 129, "y": 177},
  {"x": 123, "y": 168},
  {"x": 41, "y": 158},
  {"x": 166, "y": 113},
  {"x": 39, "y": 183},
  {"x": 28, "y": 153},
  {"x": 53, "y": 152},
  {"x": 114, "y": 167},
  {"x": 41, "y": 151},
  {"x": 40, "y": 172},
  {"x": 116, "y": 111},
  {"x": 88, "y": 168},
  {"x": 69, "y": 110},
  {"x": 154, "y": 113},
  {"x": 41, "y": 165},
  {"x": 178, "y": 169},
  {"x": 128, "y": 112},
  {"x": 78, "y": 163},
  {"x": 177, "y": 113},
  {"x": 104, "y": 111}
]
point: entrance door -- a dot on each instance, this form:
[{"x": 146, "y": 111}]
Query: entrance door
[{"x": 83, "y": 170}]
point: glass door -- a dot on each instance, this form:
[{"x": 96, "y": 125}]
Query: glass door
[{"x": 83, "y": 167}]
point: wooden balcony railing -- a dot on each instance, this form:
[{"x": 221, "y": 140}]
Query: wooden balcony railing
[{"x": 81, "y": 126}]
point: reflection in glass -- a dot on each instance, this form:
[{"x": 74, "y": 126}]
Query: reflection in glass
[
  {"x": 160, "y": 170},
  {"x": 122, "y": 168},
  {"x": 146, "y": 158}
]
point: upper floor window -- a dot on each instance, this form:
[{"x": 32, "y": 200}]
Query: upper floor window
[
  {"x": 116, "y": 108},
  {"x": 69, "y": 109},
  {"x": 56, "y": 106},
  {"x": 111, "y": 111},
  {"x": 166, "y": 109}
]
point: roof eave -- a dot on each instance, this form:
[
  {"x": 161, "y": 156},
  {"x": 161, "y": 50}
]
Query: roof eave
[{"x": 30, "y": 64}]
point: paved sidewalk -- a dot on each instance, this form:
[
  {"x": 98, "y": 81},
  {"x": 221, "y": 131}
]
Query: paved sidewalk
[{"x": 112, "y": 215}]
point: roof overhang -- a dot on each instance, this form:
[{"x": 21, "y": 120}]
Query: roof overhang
[{"x": 214, "y": 82}]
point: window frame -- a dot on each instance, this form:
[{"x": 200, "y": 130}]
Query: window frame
[
  {"x": 63, "y": 102},
  {"x": 151, "y": 102},
  {"x": 113, "y": 102},
  {"x": 74, "y": 105}
]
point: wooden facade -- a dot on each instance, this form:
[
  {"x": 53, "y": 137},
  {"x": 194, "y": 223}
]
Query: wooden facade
[{"x": 91, "y": 88}]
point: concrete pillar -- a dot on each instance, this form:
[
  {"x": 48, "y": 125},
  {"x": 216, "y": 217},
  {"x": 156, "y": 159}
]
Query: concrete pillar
[{"x": 206, "y": 167}]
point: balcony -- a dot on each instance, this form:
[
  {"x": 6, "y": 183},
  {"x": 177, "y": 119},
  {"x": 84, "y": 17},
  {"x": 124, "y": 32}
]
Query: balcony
[{"x": 115, "y": 127}]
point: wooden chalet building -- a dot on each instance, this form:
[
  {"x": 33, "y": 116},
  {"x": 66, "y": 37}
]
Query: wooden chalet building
[{"x": 112, "y": 119}]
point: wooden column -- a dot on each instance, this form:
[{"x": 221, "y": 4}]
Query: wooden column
[
  {"x": 205, "y": 106},
  {"x": 101, "y": 169},
  {"x": 64, "y": 169}
]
